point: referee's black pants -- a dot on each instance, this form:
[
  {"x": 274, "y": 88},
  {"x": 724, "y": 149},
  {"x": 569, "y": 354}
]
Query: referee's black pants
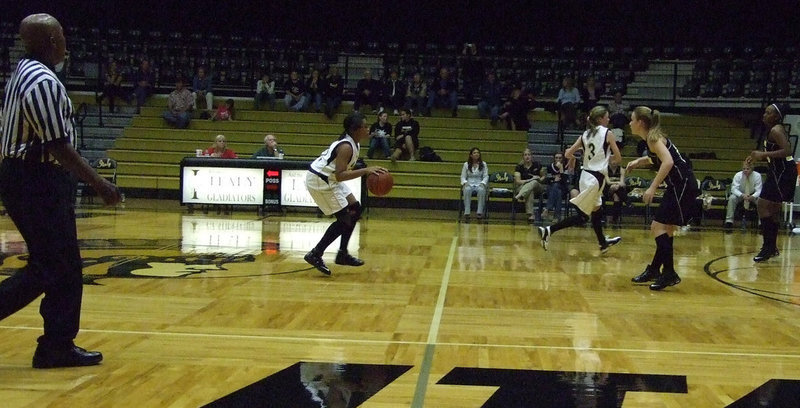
[{"x": 39, "y": 199}]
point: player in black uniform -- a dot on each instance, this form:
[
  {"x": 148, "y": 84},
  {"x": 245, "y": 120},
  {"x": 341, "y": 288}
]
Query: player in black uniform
[
  {"x": 678, "y": 198},
  {"x": 780, "y": 180}
]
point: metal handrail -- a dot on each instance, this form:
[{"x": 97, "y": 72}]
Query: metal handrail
[{"x": 82, "y": 112}]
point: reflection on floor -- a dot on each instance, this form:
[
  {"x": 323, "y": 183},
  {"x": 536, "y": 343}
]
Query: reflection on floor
[{"x": 314, "y": 385}]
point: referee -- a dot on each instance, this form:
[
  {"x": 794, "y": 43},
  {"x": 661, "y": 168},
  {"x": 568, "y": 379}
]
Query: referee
[{"x": 35, "y": 185}]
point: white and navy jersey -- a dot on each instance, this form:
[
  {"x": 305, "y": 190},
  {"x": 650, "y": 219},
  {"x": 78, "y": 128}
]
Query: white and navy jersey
[
  {"x": 324, "y": 164},
  {"x": 596, "y": 150},
  {"x": 681, "y": 169},
  {"x": 37, "y": 111}
]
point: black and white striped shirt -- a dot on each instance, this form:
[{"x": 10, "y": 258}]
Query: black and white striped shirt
[{"x": 37, "y": 111}]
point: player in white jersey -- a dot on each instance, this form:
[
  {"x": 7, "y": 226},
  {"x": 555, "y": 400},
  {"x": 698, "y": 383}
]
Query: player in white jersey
[
  {"x": 599, "y": 146},
  {"x": 324, "y": 183}
]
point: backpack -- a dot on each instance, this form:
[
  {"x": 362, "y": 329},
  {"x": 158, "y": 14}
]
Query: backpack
[{"x": 427, "y": 154}]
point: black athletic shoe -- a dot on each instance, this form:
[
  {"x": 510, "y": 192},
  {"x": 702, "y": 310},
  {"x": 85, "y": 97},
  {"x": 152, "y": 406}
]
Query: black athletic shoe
[
  {"x": 649, "y": 274},
  {"x": 765, "y": 254},
  {"x": 316, "y": 261},
  {"x": 344, "y": 258},
  {"x": 665, "y": 280},
  {"x": 609, "y": 243}
]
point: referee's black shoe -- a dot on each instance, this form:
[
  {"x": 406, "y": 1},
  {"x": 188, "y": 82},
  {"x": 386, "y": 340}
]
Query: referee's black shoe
[
  {"x": 344, "y": 258},
  {"x": 667, "y": 278},
  {"x": 74, "y": 356},
  {"x": 316, "y": 261},
  {"x": 765, "y": 254}
]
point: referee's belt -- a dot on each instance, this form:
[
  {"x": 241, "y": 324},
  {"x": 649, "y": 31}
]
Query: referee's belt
[{"x": 318, "y": 174}]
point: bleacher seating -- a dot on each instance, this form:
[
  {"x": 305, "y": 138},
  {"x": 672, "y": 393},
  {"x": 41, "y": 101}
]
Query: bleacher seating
[{"x": 148, "y": 152}]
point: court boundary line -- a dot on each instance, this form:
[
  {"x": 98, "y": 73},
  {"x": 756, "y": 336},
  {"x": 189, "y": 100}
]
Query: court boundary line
[
  {"x": 420, "y": 343},
  {"x": 421, "y": 388}
]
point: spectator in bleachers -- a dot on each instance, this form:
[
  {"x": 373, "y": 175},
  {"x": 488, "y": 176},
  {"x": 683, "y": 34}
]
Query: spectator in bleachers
[
  {"x": 381, "y": 136},
  {"x": 225, "y": 111},
  {"x": 112, "y": 86},
  {"x": 474, "y": 179},
  {"x": 394, "y": 93},
  {"x": 179, "y": 105},
  {"x": 406, "y": 136},
  {"x": 143, "y": 83},
  {"x": 528, "y": 180},
  {"x": 472, "y": 72},
  {"x": 615, "y": 190},
  {"x": 270, "y": 149},
  {"x": 590, "y": 94},
  {"x": 443, "y": 93},
  {"x": 745, "y": 189},
  {"x": 332, "y": 88},
  {"x": 491, "y": 93},
  {"x": 515, "y": 110},
  {"x": 556, "y": 175},
  {"x": 573, "y": 174},
  {"x": 367, "y": 92},
  {"x": 314, "y": 89},
  {"x": 296, "y": 96},
  {"x": 568, "y": 101},
  {"x": 619, "y": 112},
  {"x": 265, "y": 92},
  {"x": 220, "y": 149},
  {"x": 201, "y": 85},
  {"x": 416, "y": 95}
]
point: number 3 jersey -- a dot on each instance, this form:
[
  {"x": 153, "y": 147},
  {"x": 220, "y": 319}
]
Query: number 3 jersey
[{"x": 596, "y": 150}]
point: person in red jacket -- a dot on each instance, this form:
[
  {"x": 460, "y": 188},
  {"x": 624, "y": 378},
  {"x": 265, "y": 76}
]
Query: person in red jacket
[{"x": 220, "y": 149}]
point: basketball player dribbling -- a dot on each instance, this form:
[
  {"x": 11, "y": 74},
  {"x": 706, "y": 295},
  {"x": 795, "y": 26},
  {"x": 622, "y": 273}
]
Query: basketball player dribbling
[
  {"x": 324, "y": 183},
  {"x": 599, "y": 146}
]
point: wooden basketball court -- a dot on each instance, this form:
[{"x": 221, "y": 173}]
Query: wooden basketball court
[{"x": 221, "y": 310}]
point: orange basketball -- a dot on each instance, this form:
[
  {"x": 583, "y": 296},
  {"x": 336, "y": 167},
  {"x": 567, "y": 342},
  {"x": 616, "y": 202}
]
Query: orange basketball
[{"x": 380, "y": 184}]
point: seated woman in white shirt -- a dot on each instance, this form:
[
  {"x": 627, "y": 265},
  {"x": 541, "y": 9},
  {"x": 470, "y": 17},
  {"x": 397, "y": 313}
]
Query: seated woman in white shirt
[{"x": 474, "y": 179}]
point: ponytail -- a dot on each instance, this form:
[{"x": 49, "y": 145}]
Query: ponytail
[
  {"x": 593, "y": 122},
  {"x": 651, "y": 119}
]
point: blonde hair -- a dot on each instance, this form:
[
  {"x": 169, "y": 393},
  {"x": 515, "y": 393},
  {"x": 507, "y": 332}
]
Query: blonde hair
[
  {"x": 527, "y": 149},
  {"x": 650, "y": 117},
  {"x": 597, "y": 113}
]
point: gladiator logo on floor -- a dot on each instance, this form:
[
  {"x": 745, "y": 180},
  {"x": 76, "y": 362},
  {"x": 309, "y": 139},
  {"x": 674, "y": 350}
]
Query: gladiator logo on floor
[
  {"x": 307, "y": 385},
  {"x": 167, "y": 262},
  {"x": 315, "y": 385}
]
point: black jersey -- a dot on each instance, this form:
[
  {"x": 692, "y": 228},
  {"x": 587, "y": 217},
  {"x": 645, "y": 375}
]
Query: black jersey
[
  {"x": 777, "y": 165},
  {"x": 681, "y": 169}
]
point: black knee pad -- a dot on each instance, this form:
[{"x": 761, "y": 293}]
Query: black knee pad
[{"x": 350, "y": 214}]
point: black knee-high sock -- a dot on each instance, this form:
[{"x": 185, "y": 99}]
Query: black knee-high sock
[
  {"x": 661, "y": 247},
  {"x": 576, "y": 219},
  {"x": 333, "y": 232},
  {"x": 346, "y": 233},
  {"x": 597, "y": 226},
  {"x": 668, "y": 255},
  {"x": 769, "y": 232},
  {"x": 774, "y": 226}
]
